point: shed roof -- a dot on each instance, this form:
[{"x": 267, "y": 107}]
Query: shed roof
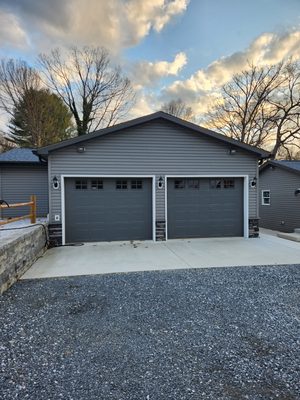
[
  {"x": 44, "y": 151},
  {"x": 289, "y": 165},
  {"x": 19, "y": 155}
]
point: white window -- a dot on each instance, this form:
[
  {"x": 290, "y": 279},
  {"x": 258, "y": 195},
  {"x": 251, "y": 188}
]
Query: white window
[{"x": 265, "y": 197}]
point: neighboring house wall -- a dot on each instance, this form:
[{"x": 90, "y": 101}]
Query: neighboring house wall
[
  {"x": 155, "y": 148},
  {"x": 283, "y": 213},
  {"x": 19, "y": 182}
]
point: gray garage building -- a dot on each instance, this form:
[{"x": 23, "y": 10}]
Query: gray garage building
[
  {"x": 156, "y": 177},
  {"x": 23, "y": 174},
  {"x": 280, "y": 195}
]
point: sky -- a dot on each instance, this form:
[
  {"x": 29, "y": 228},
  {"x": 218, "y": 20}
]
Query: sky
[{"x": 168, "y": 48}]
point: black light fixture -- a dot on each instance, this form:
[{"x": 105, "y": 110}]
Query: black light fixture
[
  {"x": 297, "y": 191},
  {"x": 80, "y": 149},
  {"x": 253, "y": 182},
  {"x": 55, "y": 183},
  {"x": 160, "y": 182}
]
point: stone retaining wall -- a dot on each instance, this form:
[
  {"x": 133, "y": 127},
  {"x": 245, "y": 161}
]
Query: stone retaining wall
[{"x": 18, "y": 252}]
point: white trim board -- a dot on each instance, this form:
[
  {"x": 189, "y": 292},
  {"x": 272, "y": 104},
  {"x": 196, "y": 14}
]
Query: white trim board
[
  {"x": 246, "y": 196},
  {"x": 62, "y": 177}
]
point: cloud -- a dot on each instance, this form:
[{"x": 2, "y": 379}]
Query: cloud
[
  {"x": 144, "y": 15},
  {"x": 114, "y": 23},
  {"x": 11, "y": 31},
  {"x": 146, "y": 73},
  {"x": 199, "y": 89}
]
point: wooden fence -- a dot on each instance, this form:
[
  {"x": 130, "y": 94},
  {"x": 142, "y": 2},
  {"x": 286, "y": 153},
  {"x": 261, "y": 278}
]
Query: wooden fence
[{"x": 32, "y": 215}]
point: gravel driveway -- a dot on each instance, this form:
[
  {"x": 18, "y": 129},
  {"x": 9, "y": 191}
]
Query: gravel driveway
[{"x": 218, "y": 333}]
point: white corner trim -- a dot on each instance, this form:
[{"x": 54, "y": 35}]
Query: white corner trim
[
  {"x": 62, "y": 183},
  {"x": 246, "y": 206},
  {"x": 62, "y": 177},
  {"x": 166, "y": 207},
  {"x": 246, "y": 196}
]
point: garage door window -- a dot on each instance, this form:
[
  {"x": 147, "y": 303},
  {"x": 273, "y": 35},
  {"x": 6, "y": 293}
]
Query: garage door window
[
  {"x": 194, "y": 183},
  {"x": 97, "y": 184},
  {"x": 228, "y": 183},
  {"x": 137, "y": 184},
  {"x": 215, "y": 183},
  {"x": 121, "y": 184},
  {"x": 81, "y": 184},
  {"x": 179, "y": 184}
]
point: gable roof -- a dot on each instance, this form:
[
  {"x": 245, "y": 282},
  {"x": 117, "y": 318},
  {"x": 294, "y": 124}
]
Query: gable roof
[
  {"x": 291, "y": 166},
  {"x": 44, "y": 151},
  {"x": 23, "y": 155}
]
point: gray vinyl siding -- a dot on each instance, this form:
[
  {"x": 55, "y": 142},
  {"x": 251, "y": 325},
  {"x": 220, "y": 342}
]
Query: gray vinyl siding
[
  {"x": 19, "y": 182},
  {"x": 155, "y": 148},
  {"x": 283, "y": 213}
]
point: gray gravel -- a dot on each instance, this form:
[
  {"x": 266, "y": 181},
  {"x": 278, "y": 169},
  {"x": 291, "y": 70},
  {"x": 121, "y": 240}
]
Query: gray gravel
[{"x": 221, "y": 333}]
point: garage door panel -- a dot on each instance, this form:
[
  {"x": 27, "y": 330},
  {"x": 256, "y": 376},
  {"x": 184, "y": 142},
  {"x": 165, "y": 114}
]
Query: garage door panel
[
  {"x": 210, "y": 209},
  {"x": 108, "y": 213}
]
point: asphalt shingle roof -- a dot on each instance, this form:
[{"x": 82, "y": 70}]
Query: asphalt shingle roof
[
  {"x": 19, "y": 155},
  {"x": 290, "y": 164}
]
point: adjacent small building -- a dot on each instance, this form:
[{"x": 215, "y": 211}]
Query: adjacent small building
[
  {"x": 280, "y": 195},
  {"x": 152, "y": 178},
  {"x": 23, "y": 174}
]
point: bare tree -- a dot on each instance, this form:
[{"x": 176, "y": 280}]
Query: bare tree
[
  {"x": 16, "y": 79},
  {"x": 179, "y": 109},
  {"x": 290, "y": 152},
  {"x": 284, "y": 104},
  {"x": 241, "y": 111},
  {"x": 97, "y": 94},
  {"x": 261, "y": 107}
]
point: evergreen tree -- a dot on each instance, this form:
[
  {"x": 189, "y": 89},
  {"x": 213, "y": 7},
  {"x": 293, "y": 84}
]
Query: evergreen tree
[{"x": 40, "y": 118}]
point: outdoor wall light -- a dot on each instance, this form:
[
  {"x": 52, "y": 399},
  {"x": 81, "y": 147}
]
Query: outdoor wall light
[
  {"x": 253, "y": 182},
  {"x": 160, "y": 183},
  {"x": 232, "y": 151},
  {"x": 80, "y": 149},
  {"x": 297, "y": 191},
  {"x": 55, "y": 183}
]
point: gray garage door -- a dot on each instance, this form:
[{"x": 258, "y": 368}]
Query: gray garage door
[
  {"x": 205, "y": 207},
  {"x": 108, "y": 209}
]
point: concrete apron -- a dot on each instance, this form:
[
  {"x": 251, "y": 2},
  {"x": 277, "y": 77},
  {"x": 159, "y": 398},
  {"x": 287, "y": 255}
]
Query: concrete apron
[{"x": 117, "y": 257}]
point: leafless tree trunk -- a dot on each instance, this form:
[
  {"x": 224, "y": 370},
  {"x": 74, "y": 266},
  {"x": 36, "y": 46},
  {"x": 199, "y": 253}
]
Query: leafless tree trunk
[
  {"x": 179, "y": 109},
  {"x": 16, "y": 78},
  {"x": 96, "y": 93}
]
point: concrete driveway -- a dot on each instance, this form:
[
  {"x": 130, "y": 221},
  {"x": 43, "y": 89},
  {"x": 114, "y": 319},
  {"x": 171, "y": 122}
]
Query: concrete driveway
[{"x": 101, "y": 258}]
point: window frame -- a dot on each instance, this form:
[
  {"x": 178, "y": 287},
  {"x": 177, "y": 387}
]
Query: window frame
[{"x": 263, "y": 198}]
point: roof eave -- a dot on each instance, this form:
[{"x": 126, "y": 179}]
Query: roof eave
[{"x": 22, "y": 162}]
